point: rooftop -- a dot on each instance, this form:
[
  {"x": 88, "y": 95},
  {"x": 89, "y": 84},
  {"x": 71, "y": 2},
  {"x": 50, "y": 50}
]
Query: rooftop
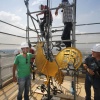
[{"x": 9, "y": 92}]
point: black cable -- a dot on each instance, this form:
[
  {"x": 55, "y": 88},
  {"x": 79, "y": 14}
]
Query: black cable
[
  {"x": 11, "y": 34},
  {"x": 78, "y": 25},
  {"x": 8, "y": 44},
  {"x": 12, "y": 25}
]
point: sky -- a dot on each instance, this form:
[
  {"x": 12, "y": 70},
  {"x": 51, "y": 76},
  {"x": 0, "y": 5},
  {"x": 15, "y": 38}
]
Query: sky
[{"x": 14, "y": 12}]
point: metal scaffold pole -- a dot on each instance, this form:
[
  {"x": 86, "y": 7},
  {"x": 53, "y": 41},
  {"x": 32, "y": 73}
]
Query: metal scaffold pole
[
  {"x": 74, "y": 23},
  {"x": 73, "y": 43},
  {"x": 27, "y": 28},
  {"x": 0, "y": 74},
  {"x": 47, "y": 39}
]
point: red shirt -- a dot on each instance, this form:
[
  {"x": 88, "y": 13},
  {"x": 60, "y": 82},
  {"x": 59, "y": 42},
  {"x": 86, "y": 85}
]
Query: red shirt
[{"x": 32, "y": 51}]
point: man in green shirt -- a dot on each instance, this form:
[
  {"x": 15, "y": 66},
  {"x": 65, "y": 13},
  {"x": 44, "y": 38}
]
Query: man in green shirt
[{"x": 22, "y": 64}]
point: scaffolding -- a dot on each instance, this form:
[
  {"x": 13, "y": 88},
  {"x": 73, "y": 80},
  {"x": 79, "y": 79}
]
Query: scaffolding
[
  {"x": 47, "y": 40},
  {"x": 36, "y": 30}
]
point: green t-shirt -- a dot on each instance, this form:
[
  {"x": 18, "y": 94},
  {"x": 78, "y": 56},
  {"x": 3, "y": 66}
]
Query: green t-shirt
[{"x": 23, "y": 65}]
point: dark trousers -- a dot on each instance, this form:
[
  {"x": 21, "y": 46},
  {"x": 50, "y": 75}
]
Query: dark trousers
[
  {"x": 32, "y": 66},
  {"x": 66, "y": 33},
  {"x": 95, "y": 82},
  {"x": 42, "y": 26},
  {"x": 88, "y": 84}
]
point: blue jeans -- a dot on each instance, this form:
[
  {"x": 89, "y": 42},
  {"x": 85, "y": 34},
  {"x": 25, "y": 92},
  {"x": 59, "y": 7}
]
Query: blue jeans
[
  {"x": 24, "y": 86},
  {"x": 95, "y": 82}
]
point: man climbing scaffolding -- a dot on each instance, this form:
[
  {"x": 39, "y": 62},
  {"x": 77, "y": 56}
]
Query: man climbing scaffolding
[{"x": 47, "y": 19}]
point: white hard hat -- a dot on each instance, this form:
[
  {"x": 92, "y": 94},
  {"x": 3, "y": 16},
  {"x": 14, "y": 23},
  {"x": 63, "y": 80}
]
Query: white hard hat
[
  {"x": 24, "y": 45},
  {"x": 16, "y": 52},
  {"x": 96, "y": 48}
]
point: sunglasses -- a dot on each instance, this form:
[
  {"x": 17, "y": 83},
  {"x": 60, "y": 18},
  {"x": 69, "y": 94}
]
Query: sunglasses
[{"x": 26, "y": 60}]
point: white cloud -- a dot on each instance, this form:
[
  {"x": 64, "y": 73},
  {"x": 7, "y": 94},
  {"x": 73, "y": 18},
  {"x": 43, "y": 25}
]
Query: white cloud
[
  {"x": 57, "y": 20},
  {"x": 11, "y": 19},
  {"x": 20, "y": 10},
  {"x": 36, "y": 2},
  {"x": 8, "y": 17},
  {"x": 58, "y": 17}
]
